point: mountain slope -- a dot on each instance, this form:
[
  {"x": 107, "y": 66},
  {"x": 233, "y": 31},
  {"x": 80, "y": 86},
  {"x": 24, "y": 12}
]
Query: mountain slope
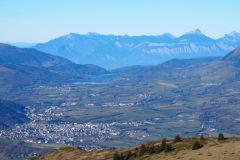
[
  {"x": 213, "y": 68},
  {"x": 195, "y": 37},
  {"x": 28, "y": 57},
  {"x": 111, "y": 51},
  {"x": 211, "y": 150},
  {"x": 23, "y": 66},
  {"x": 233, "y": 56},
  {"x": 11, "y": 114},
  {"x": 34, "y": 58}
]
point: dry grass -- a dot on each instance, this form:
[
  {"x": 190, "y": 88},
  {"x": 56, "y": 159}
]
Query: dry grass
[{"x": 212, "y": 150}]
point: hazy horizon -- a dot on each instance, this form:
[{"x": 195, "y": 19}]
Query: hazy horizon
[
  {"x": 34, "y": 42},
  {"x": 40, "y": 21}
]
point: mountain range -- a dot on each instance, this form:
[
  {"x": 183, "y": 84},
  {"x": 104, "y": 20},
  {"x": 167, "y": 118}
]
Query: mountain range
[{"x": 111, "y": 51}]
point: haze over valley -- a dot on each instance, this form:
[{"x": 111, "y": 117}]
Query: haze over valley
[
  {"x": 88, "y": 106},
  {"x": 140, "y": 88}
]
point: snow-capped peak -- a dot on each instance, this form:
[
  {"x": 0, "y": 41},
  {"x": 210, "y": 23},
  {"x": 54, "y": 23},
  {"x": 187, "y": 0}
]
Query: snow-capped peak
[
  {"x": 233, "y": 34},
  {"x": 93, "y": 34},
  {"x": 70, "y": 36},
  {"x": 168, "y": 35},
  {"x": 195, "y": 32}
]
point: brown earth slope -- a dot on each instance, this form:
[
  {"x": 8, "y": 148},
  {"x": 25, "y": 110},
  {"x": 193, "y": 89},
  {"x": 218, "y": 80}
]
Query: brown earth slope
[{"x": 212, "y": 149}]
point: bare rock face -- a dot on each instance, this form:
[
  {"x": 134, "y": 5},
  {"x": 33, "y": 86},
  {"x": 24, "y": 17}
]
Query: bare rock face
[{"x": 233, "y": 56}]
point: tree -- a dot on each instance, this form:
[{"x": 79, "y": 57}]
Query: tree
[
  {"x": 163, "y": 145},
  {"x": 177, "y": 138},
  {"x": 129, "y": 155},
  {"x": 196, "y": 145},
  {"x": 143, "y": 149},
  {"x": 202, "y": 137},
  {"x": 221, "y": 137},
  {"x": 121, "y": 156},
  {"x": 164, "y": 142}
]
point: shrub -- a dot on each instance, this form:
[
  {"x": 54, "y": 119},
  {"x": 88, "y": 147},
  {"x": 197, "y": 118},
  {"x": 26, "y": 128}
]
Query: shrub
[
  {"x": 116, "y": 156},
  {"x": 151, "y": 149},
  {"x": 168, "y": 148},
  {"x": 34, "y": 158},
  {"x": 197, "y": 145},
  {"x": 158, "y": 149},
  {"x": 143, "y": 149}
]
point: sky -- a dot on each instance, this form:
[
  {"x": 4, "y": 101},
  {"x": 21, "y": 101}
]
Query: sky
[{"x": 42, "y": 20}]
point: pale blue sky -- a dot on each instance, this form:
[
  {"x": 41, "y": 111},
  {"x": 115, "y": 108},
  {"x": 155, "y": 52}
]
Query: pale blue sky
[{"x": 41, "y": 20}]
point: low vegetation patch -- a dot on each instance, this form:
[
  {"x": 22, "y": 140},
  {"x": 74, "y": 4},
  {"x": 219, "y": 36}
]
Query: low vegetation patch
[
  {"x": 196, "y": 145},
  {"x": 145, "y": 149}
]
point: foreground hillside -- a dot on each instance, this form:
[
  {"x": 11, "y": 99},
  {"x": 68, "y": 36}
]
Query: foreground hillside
[
  {"x": 19, "y": 150},
  {"x": 212, "y": 149}
]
